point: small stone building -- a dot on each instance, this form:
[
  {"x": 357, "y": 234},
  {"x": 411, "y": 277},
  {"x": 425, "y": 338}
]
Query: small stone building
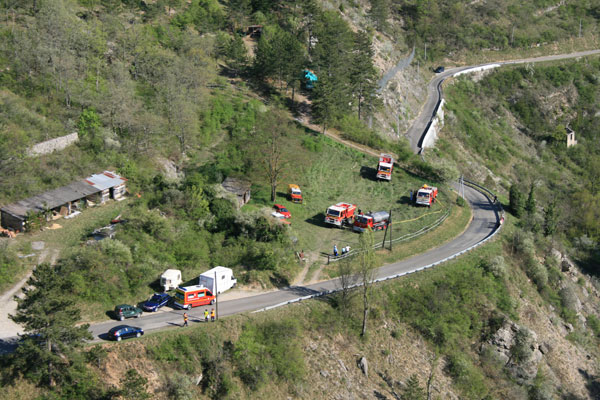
[
  {"x": 239, "y": 187},
  {"x": 571, "y": 141},
  {"x": 63, "y": 201}
]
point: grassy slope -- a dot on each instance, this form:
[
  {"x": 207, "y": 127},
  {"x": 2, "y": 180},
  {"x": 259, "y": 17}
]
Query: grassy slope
[{"x": 330, "y": 343}]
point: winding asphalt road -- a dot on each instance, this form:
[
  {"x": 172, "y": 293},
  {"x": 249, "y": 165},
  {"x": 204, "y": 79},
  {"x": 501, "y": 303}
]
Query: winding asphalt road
[
  {"x": 484, "y": 223},
  {"x": 434, "y": 91}
]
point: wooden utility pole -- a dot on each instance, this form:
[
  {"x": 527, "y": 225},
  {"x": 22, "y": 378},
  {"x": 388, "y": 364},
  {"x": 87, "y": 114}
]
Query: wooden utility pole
[
  {"x": 391, "y": 229},
  {"x": 385, "y": 235},
  {"x": 216, "y": 298}
]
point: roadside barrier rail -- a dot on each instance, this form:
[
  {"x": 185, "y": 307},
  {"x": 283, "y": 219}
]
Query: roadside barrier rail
[
  {"x": 331, "y": 258},
  {"x": 476, "y": 186}
]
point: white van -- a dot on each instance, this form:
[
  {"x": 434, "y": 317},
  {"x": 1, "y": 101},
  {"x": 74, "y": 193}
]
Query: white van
[
  {"x": 225, "y": 279},
  {"x": 170, "y": 279}
]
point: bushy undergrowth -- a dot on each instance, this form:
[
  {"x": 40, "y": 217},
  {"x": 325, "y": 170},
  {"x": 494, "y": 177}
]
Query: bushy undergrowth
[{"x": 10, "y": 264}]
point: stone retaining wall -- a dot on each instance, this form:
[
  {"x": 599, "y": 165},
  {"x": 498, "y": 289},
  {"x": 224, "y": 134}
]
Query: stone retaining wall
[{"x": 51, "y": 145}]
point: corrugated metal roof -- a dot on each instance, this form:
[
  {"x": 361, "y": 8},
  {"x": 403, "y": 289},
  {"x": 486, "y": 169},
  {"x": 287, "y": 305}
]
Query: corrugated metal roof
[
  {"x": 105, "y": 180},
  {"x": 50, "y": 199},
  {"x": 63, "y": 195}
]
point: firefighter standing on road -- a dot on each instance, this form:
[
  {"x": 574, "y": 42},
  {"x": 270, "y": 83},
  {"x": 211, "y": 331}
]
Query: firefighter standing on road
[
  {"x": 185, "y": 319},
  {"x": 212, "y": 314},
  {"x": 206, "y": 314}
]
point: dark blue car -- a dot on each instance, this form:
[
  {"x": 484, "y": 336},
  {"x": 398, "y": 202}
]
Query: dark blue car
[
  {"x": 124, "y": 331},
  {"x": 156, "y": 301}
]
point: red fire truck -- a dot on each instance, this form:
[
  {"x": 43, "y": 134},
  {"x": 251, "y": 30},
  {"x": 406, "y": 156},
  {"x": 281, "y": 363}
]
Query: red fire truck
[
  {"x": 426, "y": 195},
  {"x": 374, "y": 220},
  {"x": 340, "y": 214},
  {"x": 385, "y": 167}
]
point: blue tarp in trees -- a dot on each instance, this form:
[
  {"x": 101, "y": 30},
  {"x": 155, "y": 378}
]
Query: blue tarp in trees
[{"x": 309, "y": 79}]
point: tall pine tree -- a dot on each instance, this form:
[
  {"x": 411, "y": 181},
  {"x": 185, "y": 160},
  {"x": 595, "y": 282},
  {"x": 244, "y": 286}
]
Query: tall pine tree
[
  {"x": 364, "y": 75},
  {"x": 48, "y": 315}
]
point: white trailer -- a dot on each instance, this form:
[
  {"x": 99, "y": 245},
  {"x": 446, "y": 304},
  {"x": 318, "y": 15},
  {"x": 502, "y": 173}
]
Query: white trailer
[
  {"x": 225, "y": 279},
  {"x": 170, "y": 279}
]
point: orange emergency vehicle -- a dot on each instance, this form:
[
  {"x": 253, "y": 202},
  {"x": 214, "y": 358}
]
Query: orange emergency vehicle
[{"x": 193, "y": 296}]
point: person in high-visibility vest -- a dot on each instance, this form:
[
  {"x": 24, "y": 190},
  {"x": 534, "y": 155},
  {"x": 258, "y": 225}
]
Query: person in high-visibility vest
[
  {"x": 206, "y": 315},
  {"x": 185, "y": 319},
  {"x": 212, "y": 314}
]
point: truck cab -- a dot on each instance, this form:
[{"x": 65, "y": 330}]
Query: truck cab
[
  {"x": 426, "y": 195},
  {"x": 385, "y": 167},
  {"x": 340, "y": 214},
  {"x": 294, "y": 193}
]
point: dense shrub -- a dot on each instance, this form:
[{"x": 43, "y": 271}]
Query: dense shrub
[
  {"x": 451, "y": 306},
  {"x": 536, "y": 272},
  {"x": 496, "y": 266},
  {"x": 10, "y": 264},
  {"x": 269, "y": 350}
]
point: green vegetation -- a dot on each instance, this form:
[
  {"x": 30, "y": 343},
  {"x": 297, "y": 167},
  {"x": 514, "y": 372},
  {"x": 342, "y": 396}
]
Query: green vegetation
[
  {"x": 557, "y": 198},
  {"x": 178, "y": 86},
  {"x": 48, "y": 314},
  {"x": 453, "y": 28}
]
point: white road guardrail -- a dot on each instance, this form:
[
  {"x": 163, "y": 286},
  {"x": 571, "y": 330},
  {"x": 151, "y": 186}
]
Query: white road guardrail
[{"x": 476, "y": 186}]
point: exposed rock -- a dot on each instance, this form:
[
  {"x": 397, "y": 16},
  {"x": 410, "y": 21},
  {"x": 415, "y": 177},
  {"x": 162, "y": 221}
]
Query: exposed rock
[
  {"x": 170, "y": 170},
  {"x": 531, "y": 353},
  {"x": 544, "y": 348},
  {"x": 557, "y": 254},
  {"x": 566, "y": 265},
  {"x": 569, "y": 327},
  {"x": 343, "y": 365},
  {"x": 199, "y": 379},
  {"x": 324, "y": 373},
  {"x": 364, "y": 366}
]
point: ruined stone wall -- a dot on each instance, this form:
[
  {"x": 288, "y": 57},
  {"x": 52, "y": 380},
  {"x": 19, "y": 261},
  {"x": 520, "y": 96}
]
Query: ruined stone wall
[{"x": 51, "y": 145}]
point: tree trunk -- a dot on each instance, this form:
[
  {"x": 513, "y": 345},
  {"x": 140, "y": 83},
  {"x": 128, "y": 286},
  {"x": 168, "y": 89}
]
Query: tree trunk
[
  {"x": 273, "y": 190},
  {"x": 51, "y": 382},
  {"x": 365, "y": 309},
  {"x": 359, "y": 106}
]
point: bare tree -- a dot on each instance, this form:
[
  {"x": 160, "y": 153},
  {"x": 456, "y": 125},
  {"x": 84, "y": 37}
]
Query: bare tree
[
  {"x": 270, "y": 151},
  {"x": 366, "y": 265},
  {"x": 347, "y": 278}
]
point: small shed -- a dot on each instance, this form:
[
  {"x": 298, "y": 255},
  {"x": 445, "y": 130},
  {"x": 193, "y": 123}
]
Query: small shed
[
  {"x": 254, "y": 30},
  {"x": 109, "y": 184},
  {"x": 239, "y": 187},
  {"x": 571, "y": 141}
]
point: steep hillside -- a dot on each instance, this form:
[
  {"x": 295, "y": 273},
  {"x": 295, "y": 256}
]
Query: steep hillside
[{"x": 179, "y": 95}]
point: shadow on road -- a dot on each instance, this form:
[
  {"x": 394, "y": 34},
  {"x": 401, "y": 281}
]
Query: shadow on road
[{"x": 300, "y": 290}]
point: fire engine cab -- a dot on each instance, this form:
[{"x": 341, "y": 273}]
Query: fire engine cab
[
  {"x": 385, "y": 167},
  {"x": 426, "y": 195},
  {"x": 340, "y": 214}
]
